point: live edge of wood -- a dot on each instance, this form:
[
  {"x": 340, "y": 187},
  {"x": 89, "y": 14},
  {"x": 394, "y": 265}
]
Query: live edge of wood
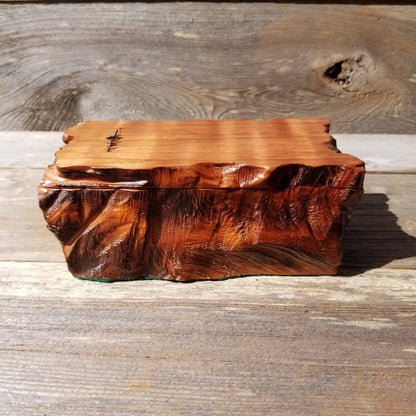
[{"x": 200, "y": 199}]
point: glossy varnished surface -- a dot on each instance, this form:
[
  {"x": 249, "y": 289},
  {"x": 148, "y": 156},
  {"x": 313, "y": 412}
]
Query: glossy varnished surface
[
  {"x": 203, "y": 154},
  {"x": 198, "y": 234},
  {"x": 200, "y": 199}
]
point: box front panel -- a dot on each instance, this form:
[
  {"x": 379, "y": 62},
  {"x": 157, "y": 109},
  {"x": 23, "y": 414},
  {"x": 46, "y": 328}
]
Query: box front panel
[{"x": 188, "y": 234}]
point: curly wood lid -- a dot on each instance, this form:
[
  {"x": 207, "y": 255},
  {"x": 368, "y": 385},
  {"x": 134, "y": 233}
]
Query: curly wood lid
[{"x": 203, "y": 154}]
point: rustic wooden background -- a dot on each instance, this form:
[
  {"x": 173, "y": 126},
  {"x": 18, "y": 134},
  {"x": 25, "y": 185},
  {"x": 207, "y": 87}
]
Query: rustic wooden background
[
  {"x": 354, "y": 64},
  {"x": 261, "y": 345},
  {"x": 276, "y": 345}
]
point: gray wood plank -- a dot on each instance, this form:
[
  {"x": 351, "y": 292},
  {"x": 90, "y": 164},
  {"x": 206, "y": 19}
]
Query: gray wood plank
[
  {"x": 380, "y": 152},
  {"x": 382, "y": 232},
  {"x": 50, "y": 280},
  {"x": 22, "y": 149},
  {"x": 23, "y": 232},
  {"x": 67, "y": 62},
  {"x": 259, "y": 345}
]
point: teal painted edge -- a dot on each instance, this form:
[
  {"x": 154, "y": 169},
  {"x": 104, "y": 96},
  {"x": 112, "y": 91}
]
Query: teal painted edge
[
  {"x": 117, "y": 280},
  {"x": 158, "y": 278},
  {"x": 192, "y": 281}
]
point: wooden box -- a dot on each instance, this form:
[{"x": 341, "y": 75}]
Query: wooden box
[{"x": 200, "y": 199}]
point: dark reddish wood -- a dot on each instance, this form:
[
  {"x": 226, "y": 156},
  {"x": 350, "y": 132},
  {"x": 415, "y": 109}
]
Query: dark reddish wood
[{"x": 200, "y": 199}]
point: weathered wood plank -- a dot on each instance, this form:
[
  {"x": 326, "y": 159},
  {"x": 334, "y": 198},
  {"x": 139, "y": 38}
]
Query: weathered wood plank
[
  {"x": 382, "y": 232},
  {"x": 50, "y": 280},
  {"x": 380, "y": 152},
  {"x": 22, "y": 149},
  {"x": 271, "y": 345},
  {"x": 23, "y": 232},
  {"x": 65, "y": 63}
]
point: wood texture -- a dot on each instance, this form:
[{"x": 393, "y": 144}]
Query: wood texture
[
  {"x": 130, "y": 200},
  {"x": 65, "y": 63},
  {"x": 203, "y": 154},
  {"x": 266, "y": 345},
  {"x": 269, "y": 345}
]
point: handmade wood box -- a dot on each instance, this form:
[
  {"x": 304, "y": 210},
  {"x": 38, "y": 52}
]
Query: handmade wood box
[{"x": 200, "y": 199}]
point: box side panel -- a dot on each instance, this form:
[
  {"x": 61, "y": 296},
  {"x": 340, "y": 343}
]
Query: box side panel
[{"x": 198, "y": 234}]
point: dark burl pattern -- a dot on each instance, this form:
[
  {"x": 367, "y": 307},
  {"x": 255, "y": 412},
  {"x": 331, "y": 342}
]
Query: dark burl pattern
[
  {"x": 191, "y": 234},
  {"x": 200, "y": 199}
]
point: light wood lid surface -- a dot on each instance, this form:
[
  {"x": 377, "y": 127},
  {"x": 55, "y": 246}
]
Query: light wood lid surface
[{"x": 201, "y": 153}]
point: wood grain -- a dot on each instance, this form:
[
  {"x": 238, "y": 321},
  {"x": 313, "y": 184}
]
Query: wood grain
[
  {"x": 203, "y": 154},
  {"x": 198, "y": 234},
  {"x": 139, "y": 199},
  {"x": 267, "y": 345},
  {"x": 66, "y": 63}
]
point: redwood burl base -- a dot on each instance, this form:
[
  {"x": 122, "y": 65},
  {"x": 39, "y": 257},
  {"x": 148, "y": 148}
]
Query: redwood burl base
[
  {"x": 198, "y": 234},
  {"x": 191, "y": 221}
]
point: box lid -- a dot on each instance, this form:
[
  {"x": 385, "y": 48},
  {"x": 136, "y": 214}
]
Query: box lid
[{"x": 202, "y": 154}]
